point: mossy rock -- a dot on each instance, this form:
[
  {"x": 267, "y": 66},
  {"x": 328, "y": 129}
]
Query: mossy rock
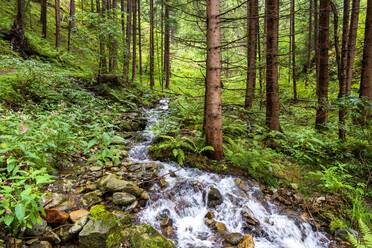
[
  {"x": 145, "y": 236},
  {"x": 102, "y": 230}
]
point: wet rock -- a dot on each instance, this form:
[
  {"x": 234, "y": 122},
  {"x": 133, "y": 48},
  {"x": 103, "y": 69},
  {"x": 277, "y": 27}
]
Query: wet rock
[
  {"x": 168, "y": 231},
  {"x": 209, "y": 222},
  {"x": 214, "y": 198},
  {"x": 67, "y": 206},
  {"x": 145, "y": 195},
  {"x": 220, "y": 227},
  {"x": 41, "y": 244},
  {"x": 91, "y": 199},
  {"x": 54, "y": 200},
  {"x": 294, "y": 186},
  {"x": 95, "y": 168},
  {"x": 55, "y": 216},
  {"x": 241, "y": 185},
  {"x": 233, "y": 238},
  {"x": 78, "y": 214},
  {"x": 209, "y": 215},
  {"x": 131, "y": 207},
  {"x": 247, "y": 242},
  {"x": 51, "y": 237},
  {"x": 344, "y": 233},
  {"x": 37, "y": 229},
  {"x": 146, "y": 236},
  {"x": 163, "y": 183},
  {"x": 250, "y": 219},
  {"x": 111, "y": 183},
  {"x": 166, "y": 222},
  {"x": 78, "y": 226},
  {"x": 165, "y": 213},
  {"x": 94, "y": 234},
  {"x": 122, "y": 198}
]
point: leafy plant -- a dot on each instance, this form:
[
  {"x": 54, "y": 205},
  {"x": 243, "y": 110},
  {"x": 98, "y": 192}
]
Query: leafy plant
[{"x": 365, "y": 241}]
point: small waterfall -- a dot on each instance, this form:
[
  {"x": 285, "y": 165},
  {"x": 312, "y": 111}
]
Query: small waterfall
[{"x": 184, "y": 202}]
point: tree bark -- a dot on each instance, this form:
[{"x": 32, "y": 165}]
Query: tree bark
[
  {"x": 343, "y": 68},
  {"x": 316, "y": 41},
  {"x": 91, "y": 6},
  {"x": 128, "y": 41},
  {"x": 167, "y": 47},
  {"x": 71, "y": 23},
  {"x": 134, "y": 56},
  {"x": 213, "y": 108},
  {"x": 139, "y": 39},
  {"x": 351, "y": 44},
  {"x": 58, "y": 22},
  {"x": 272, "y": 87},
  {"x": 103, "y": 61},
  {"x": 113, "y": 65},
  {"x": 43, "y": 17},
  {"x": 366, "y": 82},
  {"x": 152, "y": 82},
  {"x": 309, "y": 39},
  {"x": 252, "y": 17},
  {"x": 293, "y": 48},
  {"x": 322, "y": 111}
]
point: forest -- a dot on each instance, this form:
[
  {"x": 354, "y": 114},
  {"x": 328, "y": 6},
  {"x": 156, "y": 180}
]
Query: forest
[{"x": 186, "y": 123}]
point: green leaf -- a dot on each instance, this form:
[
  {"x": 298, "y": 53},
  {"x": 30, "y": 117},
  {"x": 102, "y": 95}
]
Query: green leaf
[
  {"x": 8, "y": 219},
  {"x": 106, "y": 138},
  {"x": 20, "y": 211}
]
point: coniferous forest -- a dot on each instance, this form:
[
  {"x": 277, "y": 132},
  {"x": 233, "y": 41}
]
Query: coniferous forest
[{"x": 186, "y": 123}]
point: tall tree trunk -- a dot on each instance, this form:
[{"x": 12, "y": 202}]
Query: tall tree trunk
[
  {"x": 252, "y": 17},
  {"x": 351, "y": 44},
  {"x": 309, "y": 39},
  {"x": 167, "y": 47},
  {"x": 113, "y": 41},
  {"x": 366, "y": 82},
  {"x": 293, "y": 48},
  {"x": 19, "y": 41},
  {"x": 259, "y": 64},
  {"x": 272, "y": 87},
  {"x": 322, "y": 111},
  {"x": 213, "y": 108},
  {"x": 122, "y": 8},
  {"x": 139, "y": 40},
  {"x": 128, "y": 39},
  {"x": 103, "y": 61},
  {"x": 71, "y": 22},
  {"x": 43, "y": 17},
  {"x": 91, "y": 6},
  {"x": 161, "y": 69},
  {"x": 316, "y": 41},
  {"x": 58, "y": 22},
  {"x": 152, "y": 82},
  {"x": 343, "y": 68},
  {"x": 134, "y": 56}
]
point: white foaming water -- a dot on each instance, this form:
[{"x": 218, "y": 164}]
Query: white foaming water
[{"x": 184, "y": 202}]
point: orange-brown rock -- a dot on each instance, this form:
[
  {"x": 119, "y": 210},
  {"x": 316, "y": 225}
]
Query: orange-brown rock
[
  {"x": 78, "y": 214},
  {"x": 55, "y": 216}
]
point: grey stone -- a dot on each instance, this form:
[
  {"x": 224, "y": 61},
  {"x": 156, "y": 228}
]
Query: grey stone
[
  {"x": 111, "y": 183},
  {"x": 94, "y": 235},
  {"x": 37, "y": 229},
  {"x": 122, "y": 198},
  {"x": 214, "y": 198},
  {"x": 233, "y": 238}
]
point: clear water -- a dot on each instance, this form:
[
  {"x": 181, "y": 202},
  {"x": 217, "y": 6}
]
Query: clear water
[{"x": 184, "y": 203}]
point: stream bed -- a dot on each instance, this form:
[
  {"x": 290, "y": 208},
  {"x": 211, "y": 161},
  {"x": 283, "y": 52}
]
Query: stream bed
[{"x": 184, "y": 202}]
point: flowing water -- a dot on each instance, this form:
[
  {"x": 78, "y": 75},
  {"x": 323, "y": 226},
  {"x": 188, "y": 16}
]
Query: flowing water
[{"x": 184, "y": 202}]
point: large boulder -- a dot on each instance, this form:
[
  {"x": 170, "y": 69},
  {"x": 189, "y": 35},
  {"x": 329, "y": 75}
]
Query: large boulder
[
  {"x": 102, "y": 229},
  {"x": 111, "y": 183},
  {"x": 145, "y": 236},
  {"x": 122, "y": 198},
  {"x": 233, "y": 238},
  {"x": 214, "y": 198},
  {"x": 247, "y": 242}
]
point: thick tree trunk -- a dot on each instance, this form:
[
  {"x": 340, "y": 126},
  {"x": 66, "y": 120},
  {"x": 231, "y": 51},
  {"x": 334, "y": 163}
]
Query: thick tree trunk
[
  {"x": 152, "y": 82},
  {"x": 352, "y": 43},
  {"x": 167, "y": 47},
  {"x": 71, "y": 23},
  {"x": 293, "y": 48},
  {"x": 260, "y": 77},
  {"x": 272, "y": 87},
  {"x": 134, "y": 55},
  {"x": 128, "y": 41},
  {"x": 252, "y": 17},
  {"x": 139, "y": 40},
  {"x": 91, "y": 6},
  {"x": 309, "y": 39},
  {"x": 122, "y": 10},
  {"x": 58, "y": 22},
  {"x": 113, "y": 40},
  {"x": 322, "y": 111},
  {"x": 366, "y": 82},
  {"x": 18, "y": 39},
  {"x": 213, "y": 106},
  {"x": 43, "y": 17}
]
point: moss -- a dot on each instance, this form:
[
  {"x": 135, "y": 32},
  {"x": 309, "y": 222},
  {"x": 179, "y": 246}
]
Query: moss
[
  {"x": 107, "y": 218},
  {"x": 145, "y": 236}
]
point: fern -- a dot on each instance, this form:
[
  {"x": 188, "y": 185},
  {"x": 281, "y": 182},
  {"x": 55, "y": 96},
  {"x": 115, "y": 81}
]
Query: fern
[{"x": 366, "y": 240}]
